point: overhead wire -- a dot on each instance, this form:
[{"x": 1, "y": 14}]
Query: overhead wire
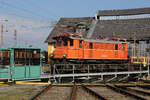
[
  {"x": 22, "y": 9},
  {"x": 13, "y": 12},
  {"x": 35, "y": 5},
  {"x": 52, "y": 23}
]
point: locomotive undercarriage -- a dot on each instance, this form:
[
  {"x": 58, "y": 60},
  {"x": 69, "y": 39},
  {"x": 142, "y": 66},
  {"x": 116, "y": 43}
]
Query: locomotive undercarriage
[
  {"x": 89, "y": 61},
  {"x": 97, "y": 72},
  {"x": 91, "y": 69},
  {"x": 94, "y": 65}
]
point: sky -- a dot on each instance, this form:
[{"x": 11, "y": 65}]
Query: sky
[{"x": 34, "y": 19}]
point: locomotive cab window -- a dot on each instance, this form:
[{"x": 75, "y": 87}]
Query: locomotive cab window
[
  {"x": 58, "y": 42},
  {"x": 80, "y": 44},
  {"x": 71, "y": 42},
  {"x": 123, "y": 46},
  {"x": 91, "y": 45},
  {"x": 65, "y": 42},
  {"x": 54, "y": 44},
  {"x": 116, "y": 46}
]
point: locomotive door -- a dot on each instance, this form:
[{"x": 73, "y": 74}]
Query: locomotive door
[
  {"x": 80, "y": 52},
  {"x": 116, "y": 50},
  {"x": 123, "y": 50}
]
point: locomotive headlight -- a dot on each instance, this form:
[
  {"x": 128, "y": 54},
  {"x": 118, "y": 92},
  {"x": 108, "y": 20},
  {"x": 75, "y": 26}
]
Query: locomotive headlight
[
  {"x": 52, "y": 55},
  {"x": 64, "y": 55}
]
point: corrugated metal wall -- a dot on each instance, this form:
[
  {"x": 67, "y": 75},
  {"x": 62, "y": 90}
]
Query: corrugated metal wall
[{"x": 142, "y": 47}]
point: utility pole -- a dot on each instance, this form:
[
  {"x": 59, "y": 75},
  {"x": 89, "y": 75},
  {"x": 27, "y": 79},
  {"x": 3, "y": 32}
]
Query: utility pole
[
  {"x": 15, "y": 37},
  {"x": 2, "y": 39},
  {"x": 135, "y": 52}
]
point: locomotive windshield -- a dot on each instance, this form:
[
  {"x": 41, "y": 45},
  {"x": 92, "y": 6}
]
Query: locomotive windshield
[
  {"x": 80, "y": 44},
  {"x": 58, "y": 42},
  {"x": 65, "y": 42},
  {"x": 4, "y": 58},
  {"x": 71, "y": 42}
]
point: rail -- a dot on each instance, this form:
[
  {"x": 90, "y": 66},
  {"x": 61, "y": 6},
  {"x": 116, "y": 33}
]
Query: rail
[
  {"x": 135, "y": 90},
  {"x": 73, "y": 92},
  {"x": 93, "y": 93},
  {"x": 144, "y": 86},
  {"x": 42, "y": 92},
  {"x": 114, "y": 88}
]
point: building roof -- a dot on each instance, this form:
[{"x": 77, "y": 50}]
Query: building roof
[
  {"x": 69, "y": 25},
  {"x": 123, "y": 12},
  {"x": 106, "y": 28},
  {"x": 123, "y": 28}
]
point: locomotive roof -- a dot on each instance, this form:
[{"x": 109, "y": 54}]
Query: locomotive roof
[{"x": 102, "y": 41}]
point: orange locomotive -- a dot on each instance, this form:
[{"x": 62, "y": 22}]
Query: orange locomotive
[{"x": 75, "y": 49}]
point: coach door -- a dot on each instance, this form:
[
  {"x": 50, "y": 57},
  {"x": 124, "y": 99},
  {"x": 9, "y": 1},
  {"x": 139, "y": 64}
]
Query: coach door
[{"x": 26, "y": 64}]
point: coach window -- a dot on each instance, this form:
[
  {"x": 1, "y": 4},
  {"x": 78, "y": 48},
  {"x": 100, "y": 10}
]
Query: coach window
[
  {"x": 71, "y": 42},
  {"x": 4, "y": 58},
  {"x": 19, "y": 57},
  {"x": 91, "y": 45},
  {"x": 35, "y": 57},
  {"x": 58, "y": 42},
  {"x": 116, "y": 46},
  {"x": 26, "y": 57},
  {"x": 65, "y": 42},
  {"x": 80, "y": 44}
]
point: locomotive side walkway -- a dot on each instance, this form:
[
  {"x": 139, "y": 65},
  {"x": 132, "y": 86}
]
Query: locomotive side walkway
[
  {"x": 87, "y": 73},
  {"x": 94, "y": 74}
]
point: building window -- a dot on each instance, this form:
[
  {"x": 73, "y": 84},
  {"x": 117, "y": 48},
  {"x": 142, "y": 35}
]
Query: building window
[
  {"x": 97, "y": 17},
  {"x": 71, "y": 42},
  {"x": 124, "y": 17},
  {"x": 81, "y": 30}
]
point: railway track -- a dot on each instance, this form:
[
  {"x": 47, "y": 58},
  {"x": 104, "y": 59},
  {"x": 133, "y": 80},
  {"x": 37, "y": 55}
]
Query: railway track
[
  {"x": 127, "y": 92},
  {"x": 87, "y": 92},
  {"x": 73, "y": 92},
  {"x": 93, "y": 93},
  {"x": 42, "y": 92},
  {"x": 144, "y": 86}
]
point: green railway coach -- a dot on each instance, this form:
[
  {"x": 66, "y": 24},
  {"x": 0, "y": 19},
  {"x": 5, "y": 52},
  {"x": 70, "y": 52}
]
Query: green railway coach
[{"x": 20, "y": 63}]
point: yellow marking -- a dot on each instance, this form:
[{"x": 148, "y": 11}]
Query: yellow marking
[
  {"x": 23, "y": 83},
  {"x": 2, "y": 82},
  {"x": 42, "y": 83}
]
